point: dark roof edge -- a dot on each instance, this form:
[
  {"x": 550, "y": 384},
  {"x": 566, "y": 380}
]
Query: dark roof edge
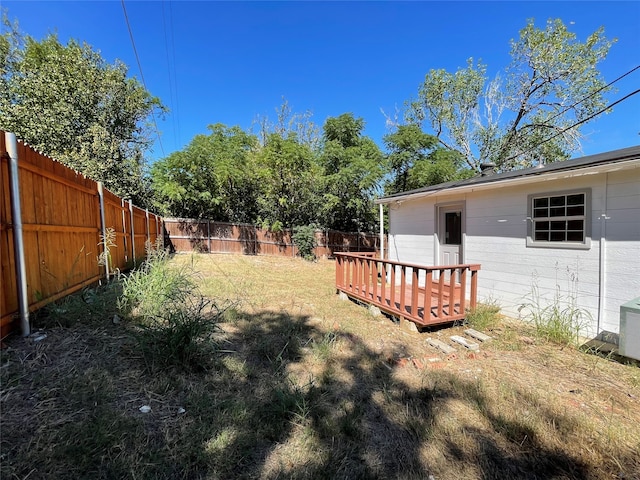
[{"x": 613, "y": 156}]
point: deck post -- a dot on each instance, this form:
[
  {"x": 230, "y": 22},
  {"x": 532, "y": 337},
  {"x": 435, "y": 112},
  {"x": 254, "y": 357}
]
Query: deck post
[
  {"x": 374, "y": 279},
  {"x": 381, "y": 232},
  {"x": 474, "y": 288},
  {"x": 452, "y": 291},
  {"x": 440, "y": 293},
  {"x": 463, "y": 290},
  {"x": 392, "y": 288},
  {"x": 403, "y": 285},
  {"x": 428, "y": 287},
  {"x": 414, "y": 292}
]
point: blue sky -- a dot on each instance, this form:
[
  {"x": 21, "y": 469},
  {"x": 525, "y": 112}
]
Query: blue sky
[{"x": 228, "y": 62}]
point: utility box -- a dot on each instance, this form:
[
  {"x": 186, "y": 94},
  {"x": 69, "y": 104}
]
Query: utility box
[{"x": 630, "y": 329}]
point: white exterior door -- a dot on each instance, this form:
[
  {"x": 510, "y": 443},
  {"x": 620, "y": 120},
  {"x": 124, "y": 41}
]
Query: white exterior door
[{"x": 450, "y": 231}]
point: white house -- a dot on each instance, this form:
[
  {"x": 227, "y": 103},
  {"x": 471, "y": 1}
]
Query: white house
[{"x": 571, "y": 229}]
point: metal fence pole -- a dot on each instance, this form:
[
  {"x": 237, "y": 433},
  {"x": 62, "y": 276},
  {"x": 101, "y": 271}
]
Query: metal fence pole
[
  {"x": 105, "y": 246},
  {"x": 18, "y": 243}
]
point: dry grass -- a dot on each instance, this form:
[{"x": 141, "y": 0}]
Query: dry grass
[{"x": 307, "y": 386}]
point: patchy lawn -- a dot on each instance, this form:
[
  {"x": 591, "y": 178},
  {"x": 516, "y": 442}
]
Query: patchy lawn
[{"x": 304, "y": 385}]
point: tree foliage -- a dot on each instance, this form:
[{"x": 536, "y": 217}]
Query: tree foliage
[
  {"x": 229, "y": 175},
  {"x": 289, "y": 123},
  {"x": 213, "y": 177},
  {"x": 289, "y": 183},
  {"x": 68, "y": 102},
  {"x": 416, "y": 160},
  {"x": 526, "y": 117},
  {"x": 354, "y": 168}
]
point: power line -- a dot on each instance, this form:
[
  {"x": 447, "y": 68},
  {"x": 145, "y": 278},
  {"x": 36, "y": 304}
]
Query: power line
[
  {"x": 135, "y": 52},
  {"x": 513, "y": 157},
  {"x": 594, "y": 93},
  {"x": 170, "y": 51}
]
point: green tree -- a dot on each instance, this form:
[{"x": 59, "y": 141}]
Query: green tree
[
  {"x": 290, "y": 182},
  {"x": 213, "y": 177},
  {"x": 528, "y": 117},
  {"x": 354, "y": 168},
  {"x": 416, "y": 160},
  {"x": 68, "y": 102}
]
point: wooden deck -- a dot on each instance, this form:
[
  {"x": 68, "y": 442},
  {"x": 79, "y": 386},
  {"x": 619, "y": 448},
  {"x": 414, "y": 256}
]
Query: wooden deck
[{"x": 408, "y": 291}]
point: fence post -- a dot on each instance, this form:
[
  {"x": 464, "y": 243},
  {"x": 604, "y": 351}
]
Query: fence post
[
  {"x": 157, "y": 232},
  {"x": 148, "y": 240},
  {"x": 124, "y": 232},
  {"x": 18, "y": 243},
  {"x": 133, "y": 238},
  {"x": 105, "y": 246},
  {"x": 209, "y": 235}
]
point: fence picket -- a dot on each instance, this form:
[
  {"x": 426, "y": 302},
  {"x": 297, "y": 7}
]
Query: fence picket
[
  {"x": 62, "y": 227},
  {"x": 189, "y": 235}
]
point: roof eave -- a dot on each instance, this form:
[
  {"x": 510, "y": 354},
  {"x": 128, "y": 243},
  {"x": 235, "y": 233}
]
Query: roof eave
[{"x": 631, "y": 159}]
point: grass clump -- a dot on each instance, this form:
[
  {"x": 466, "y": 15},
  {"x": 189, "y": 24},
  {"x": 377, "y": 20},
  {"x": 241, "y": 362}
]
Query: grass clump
[
  {"x": 176, "y": 322},
  {"x": 559, "y": 320},
  {"x": 484, "y": 317},
  {"x": 156, "y": 286},
  {"x": 182, "y": 336},
  {"x": 91, "y": 304}
]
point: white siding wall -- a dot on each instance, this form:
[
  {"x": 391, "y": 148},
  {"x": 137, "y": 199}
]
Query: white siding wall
[
  {"x": 622, "y": 252},
  {"x": 415, "y": 226},
  {"x": 496, "y": 229}
]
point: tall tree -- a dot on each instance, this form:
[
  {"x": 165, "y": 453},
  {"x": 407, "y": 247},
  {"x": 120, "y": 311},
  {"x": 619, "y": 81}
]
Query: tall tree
[
  {"x": 213, "y": 177},
  {"x": 68, "y": 102},
  {"x": 416, "y": 160},
  {"x": 530, "y": 116},
  {"x": 289, "y": 123},
  {"x": 290, "y": 182},
  {"x": 354, "y": 168}
]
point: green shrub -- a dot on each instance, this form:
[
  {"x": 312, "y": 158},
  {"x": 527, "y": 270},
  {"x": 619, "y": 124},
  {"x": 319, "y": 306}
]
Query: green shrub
[{"x": 304, "y": 237}]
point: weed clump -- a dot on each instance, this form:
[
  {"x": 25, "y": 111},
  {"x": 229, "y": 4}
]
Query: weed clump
[
  {"x": 559, "y": 320},
  {"x": 175, "y": 322},
  {"x": 484, "y": 317}
]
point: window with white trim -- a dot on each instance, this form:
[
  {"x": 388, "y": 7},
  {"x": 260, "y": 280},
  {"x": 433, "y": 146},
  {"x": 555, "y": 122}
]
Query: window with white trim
[{"x": 559, "y": 220}]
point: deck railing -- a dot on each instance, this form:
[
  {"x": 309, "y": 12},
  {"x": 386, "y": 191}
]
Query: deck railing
[{"x": 426, "y": 295}]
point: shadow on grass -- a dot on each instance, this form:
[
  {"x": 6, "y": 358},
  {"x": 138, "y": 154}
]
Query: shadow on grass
[{"x": 257, "y": 414}]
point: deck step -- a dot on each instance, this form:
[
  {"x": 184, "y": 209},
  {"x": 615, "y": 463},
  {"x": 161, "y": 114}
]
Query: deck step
[
  {"x": 477, "y": 335},
  {"x": 464, "y": 342},
  {"x": 443, "y": 347}
]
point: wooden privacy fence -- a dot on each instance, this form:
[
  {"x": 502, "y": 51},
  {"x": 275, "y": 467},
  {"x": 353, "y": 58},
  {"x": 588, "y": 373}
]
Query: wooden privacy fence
[
  {"x": 219, "y": 237},
  {"x": 425, "y": 295},
  {"x": 62, "y": 231}
]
